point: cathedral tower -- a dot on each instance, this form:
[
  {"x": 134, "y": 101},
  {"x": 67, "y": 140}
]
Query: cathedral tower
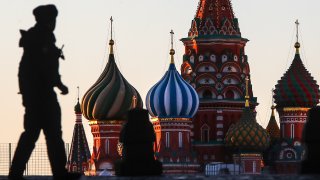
[
  {"x": 105, "y": 105},
  {"x": 247, "y": 139},
  {"x": 79, "y": 156},
  {"x": 295, "y": 93},
  {"x": 216, "y": 65},
  {"x": 172, "y": 102}
]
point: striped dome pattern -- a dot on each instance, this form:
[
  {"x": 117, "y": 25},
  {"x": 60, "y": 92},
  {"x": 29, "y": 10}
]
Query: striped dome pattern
[
  {"x": 111, "y": 97},
  {"x": 297, "y": 88},
  {"x": 172, "y": 97}
]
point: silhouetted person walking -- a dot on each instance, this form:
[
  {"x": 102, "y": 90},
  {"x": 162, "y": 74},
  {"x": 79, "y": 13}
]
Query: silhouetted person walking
[
  {"x": 38, "y": 75},
  {"x": 311, "y": 139}
]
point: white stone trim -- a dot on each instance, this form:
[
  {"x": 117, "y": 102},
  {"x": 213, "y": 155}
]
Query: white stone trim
[
  {"x": 220, "y": 125},
  {"x": 175, "y": 130},
  {"x": 219, "y": 133},
  {"x": 219, "y": 118}
]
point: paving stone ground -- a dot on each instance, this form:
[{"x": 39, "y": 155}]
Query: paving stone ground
[{"x": 182, "y": 177}]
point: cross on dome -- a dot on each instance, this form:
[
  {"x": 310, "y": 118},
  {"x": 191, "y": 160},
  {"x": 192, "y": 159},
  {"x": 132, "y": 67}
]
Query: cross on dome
[
  {"x": 297, "y": 44},
  {"x": 111, "y": 42},
  {"x": 172, "y": 52},
  {"x": 247, "y": 97}
]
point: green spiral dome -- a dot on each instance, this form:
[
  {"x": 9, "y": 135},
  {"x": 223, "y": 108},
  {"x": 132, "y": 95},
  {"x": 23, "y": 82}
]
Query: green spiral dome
[
  {"x": 247, "y": 135},
  {"x": 111, "y": 97}
]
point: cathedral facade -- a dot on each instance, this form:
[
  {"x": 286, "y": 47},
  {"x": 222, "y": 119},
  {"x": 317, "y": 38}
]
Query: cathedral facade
[
  {"x": 216, "y": 65},
  {"x": 206, "y": 114}
]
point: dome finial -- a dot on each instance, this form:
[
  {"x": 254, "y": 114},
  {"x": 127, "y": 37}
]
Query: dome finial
[
  {"x": 247, "y": 97},
  {"x": 78, "y": 92},
  {"x": 172, "y": 52},
  {"x": 111, "y": 42},
  {"x": 297, "y": 44},
  {"x": 77, "y": 107},
  {"x": 272, "y": 107}
]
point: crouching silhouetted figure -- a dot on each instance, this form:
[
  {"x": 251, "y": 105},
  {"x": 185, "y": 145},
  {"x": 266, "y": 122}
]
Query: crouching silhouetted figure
[
  {"x": 138, "y": 138},
  {"x": 311, "y": 139}
]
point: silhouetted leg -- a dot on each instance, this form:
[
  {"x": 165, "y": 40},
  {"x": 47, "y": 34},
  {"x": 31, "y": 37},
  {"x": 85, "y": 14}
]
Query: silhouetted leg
[
  {"x": 26, "y": 143},
  {"x": 55, "y": 144}
]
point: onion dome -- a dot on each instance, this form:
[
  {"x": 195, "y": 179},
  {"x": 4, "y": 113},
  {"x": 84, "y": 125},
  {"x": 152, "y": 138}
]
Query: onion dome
[
  {"x": 111, "y": 97},
  {"x": 247, "y": 135},
  {"x": 172, "y": 96},
  {"x": 273, "y": 128},
  {"x": 297, "y": 88}
]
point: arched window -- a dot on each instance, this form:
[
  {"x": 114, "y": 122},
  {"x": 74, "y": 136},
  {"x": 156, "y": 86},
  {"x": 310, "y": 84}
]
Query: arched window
[
  {"x": 107, "y": 146},
  {"x": 206, "y": 67},
  {"x": 292, "y": 131},
  {"x": 180, "y": 140},
  {"x": 207, "y": 94},
  {"x": 243, "y": 164},
  {"x": 167, "y": 139},
  {"x": 283, "y": 130},
  {"x": 205, "y": 133},
  {"x": 229, "y": 94},
  {"x": 206, "y": 80},
  {"x": 74, "y": 168}
]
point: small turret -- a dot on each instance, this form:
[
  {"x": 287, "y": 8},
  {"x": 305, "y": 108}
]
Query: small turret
[
  {"x": 247, "y": 135},
  {"x": 79, "y": 156},
  {"x": 296, "y": 88},
  {"x": 247, "y": 139},
  {"x": 273, "y": 128}
]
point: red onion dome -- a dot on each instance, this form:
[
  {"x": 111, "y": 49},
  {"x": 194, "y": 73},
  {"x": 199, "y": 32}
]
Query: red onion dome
[{"x": 296, "y": 88}]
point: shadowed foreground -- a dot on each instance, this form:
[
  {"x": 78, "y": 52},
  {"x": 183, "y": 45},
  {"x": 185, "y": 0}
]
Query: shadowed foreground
[{"x": 241, "y": 177}]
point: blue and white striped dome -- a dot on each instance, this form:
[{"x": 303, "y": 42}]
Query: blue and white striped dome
[{"x": 172, "y": 97}]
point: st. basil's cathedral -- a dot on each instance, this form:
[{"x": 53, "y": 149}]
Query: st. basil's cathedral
[{"x": 205, "y": 114}]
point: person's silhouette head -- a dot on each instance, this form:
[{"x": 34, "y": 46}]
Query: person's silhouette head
[{"x": 46, "y": 16}]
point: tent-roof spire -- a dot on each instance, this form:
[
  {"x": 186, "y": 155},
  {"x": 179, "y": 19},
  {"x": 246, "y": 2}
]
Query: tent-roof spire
[
  {"x": 216, "y": 9},
  {"x": 77, "y": 107}
]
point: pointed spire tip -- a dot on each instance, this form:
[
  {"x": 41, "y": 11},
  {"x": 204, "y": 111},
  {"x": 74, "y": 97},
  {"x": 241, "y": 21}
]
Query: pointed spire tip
[
  {"x": 78, "y": 92},
  {"x": 111, "y": 42},
  {"x": 297, "y": 44},
  {"x": 172, "y": 52},
  {"x": 247, "y": 97}
]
